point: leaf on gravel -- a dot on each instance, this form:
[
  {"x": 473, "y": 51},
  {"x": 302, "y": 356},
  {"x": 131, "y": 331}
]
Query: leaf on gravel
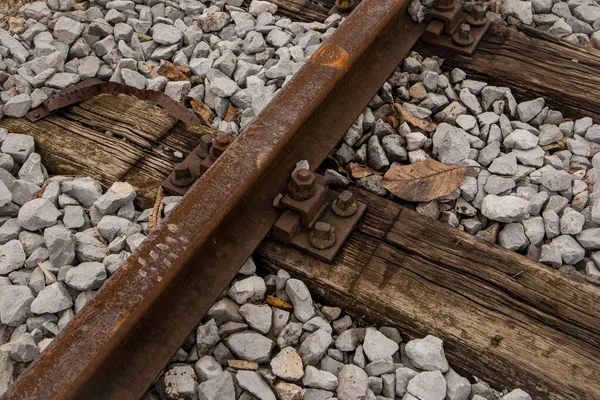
[
  {"x": 171, "y": 72},
  {"x": 358, "y": 171},
  {"x": 202, "y": 110},
  {"x": 405, "y": 116},
  {"x": 424, "y": 181},
  {"x": 277, "y": 302}
]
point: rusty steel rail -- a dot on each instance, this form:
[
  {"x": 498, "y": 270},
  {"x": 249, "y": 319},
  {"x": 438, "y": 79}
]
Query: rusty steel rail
[{"x": 120, "y": 342}]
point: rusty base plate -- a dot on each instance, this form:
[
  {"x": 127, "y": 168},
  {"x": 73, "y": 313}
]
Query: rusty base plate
[
  {"x": 343, "y": 229},
  {"x": 431, "y": 37}
]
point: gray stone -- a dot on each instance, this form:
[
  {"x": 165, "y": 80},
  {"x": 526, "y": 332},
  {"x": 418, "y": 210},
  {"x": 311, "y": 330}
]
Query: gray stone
[
  {"x": 207, "y": 337},
  {"x": 504, "y": 165},
  {"x": 287, "y": 365},
  {"x": 380, "y": 367},
  {"x": 550, "y": 255},
  {"x": 504, "y": 208},
  {"x": 534, "y": 230},
  {"x": 253, "y": 383},
  {"x": 527, "y": 110},
  {"x": 551, "y": 223},
  {"x": 177, "y": 90},
  {"x": 587, "y": 13},
  {"x": 9, "y": 230},
  {"x": 427, "y": 354},
  {"x": 353, "y": 383},
  {"x": 12, "y": 256},
  {"x": 180, "y": 382},
  {"x": 489, "y": 153},
  {"x": 89, "y": 248},
  {"x": 349, "y": 339},
  {"x": 166, "y": 34},
  {"x": 251, "y": 289},
  {"x": 250, "y": 346},
  {"x": 6, "y": 372},
  {"x": 571, "y": 222},
  {"x": 549, "y": 134},
  {"x": 207, "y": 368},
  {"x": 377, "y": 346},
  {"x": 15, "y": 302},
  {"x": 521, "y": 139},
  {"x": 217, "y": 388},
  {"x": 84, "y": 190},
  {"x": 318, "y": 379},
  {"x": 470, "y": 101},
  {"x": 258, "y": 317},
  {"x": 67, "y": 30},
  {"x": 589, "y": 238},
  {"x": 23, "y": 350},
  {"x": 403, "y": 376},
  {"x": 569, "y": 249},
  {"x": 61, "y": 245},
  {"x": 376, "y": 156},
  {"x": 429, "y": 385},
  {"x": 497, "y": 184},
  {"x": 17, "y": 106},
  {"x": 86, "y": 276},
  {"x": 301, "y": 299},
  {"x": 533, "y": 157},
  {"x": 289, "y": 335},
  {"x": 512, "y": 237},
  {"x": 118, "y": 195},
  {"x": 551, "y": 178},
  {"x": 52, "y": 299},
  {"x": 454, "y": 147},
  {"x": 457, "y": 387},
  {"x": 18, "y": 146},
  {"x": 223, "y": 311},
  {"x": 314, "y": 347},
  {"x": 516, "y": 394}
]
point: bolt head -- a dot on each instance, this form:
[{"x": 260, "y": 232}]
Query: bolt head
[
  {"x": 183, "y": 175},
  {"x": 345, "y": 205},
  {"x": 302, "y": 185},
  {"x": 322, "y": 236},
  {"x": 444, "y": 5},
  {"x": 220, "y": 144}
]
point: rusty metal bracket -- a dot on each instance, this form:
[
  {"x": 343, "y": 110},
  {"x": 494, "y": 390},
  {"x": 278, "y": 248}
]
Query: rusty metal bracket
[
  {"x": 92, "y": 87},
  {"x": 451, "y": 28},
  {"x": 319, "y": 224}
]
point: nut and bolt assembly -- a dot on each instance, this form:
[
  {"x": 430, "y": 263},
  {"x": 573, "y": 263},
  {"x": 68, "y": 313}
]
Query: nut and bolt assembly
[
  {"x": 444, "y": 5},
  {"x": 204, "y": 146},
  {"x": 463, "y": 36},
  {"x": 219, "y": 145},
  {"x": 345, "y": 205},
  {"x": 322, "y": 236},
  {"x": 182, "y": 176},
  {"x": 477, "y": 17},
  {"x": 302, "y": 185}
]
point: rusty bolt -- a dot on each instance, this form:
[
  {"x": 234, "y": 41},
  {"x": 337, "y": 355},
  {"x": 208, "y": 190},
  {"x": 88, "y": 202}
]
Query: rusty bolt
[
  {"x": 219, "y": 145},
  {"x": 463, "y": 36},
  {"x": 204, "y": 146},
  {"x": 444, "y": 5},
  {"x": 477, "y": 17},
  {"x": 345, "y": 5},
  {"x": 302, "y": 185},
  {"x": 322, "y": 236},
  {"x": 345, "y": 205},
  {"x": 182, "y": 175}
]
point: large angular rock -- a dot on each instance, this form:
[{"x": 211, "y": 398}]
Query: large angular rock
[
  {"x": 287, "y": 365},
  {"x": 61, "y": 245},
  {"x": 166, "y": 34},
  {"x": 551, "y": 178},
  {"x": 377, "y": 346},
  {"x": 84, "y": 190},
  {"x": 17, "y": 106},
  {"x": 118, "y": 195},
  {"x": 23, "y": 350},
  {"x": 429, "y": 385},
  {"x": 250, "y": 346},
  {"x": 505, "y": 208},
  {"x": 427, "y": 354},
  {"x": 86, "y": 276},
  {"x": 15, "y": 302},
  {"x": 314, "y": 347},
  {"x": 38, "y": 214},
  {"x": 18, "y": 146},
  {"x": 12, "y": 257},
  {"x": 6, "y": 372},
  {"x": 217, "y": 388},
  {"x": 68, "y": 30},
  {"x": 353, "y": 383},
  {"x": 52, "y": 299},
  {"x": 251, "y": 289},
  {"x": 256, "y": 385},
  {"x": 301, "y": 299},
  {"x": 318, "y": 379},
  {"x": 259, "y": 317},
  {"x": 180, "y": 383}
]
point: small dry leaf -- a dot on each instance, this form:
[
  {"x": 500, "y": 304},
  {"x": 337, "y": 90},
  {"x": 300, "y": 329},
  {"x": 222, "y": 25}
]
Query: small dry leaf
[
  {"x": 424, "y": 181},
  {"x": 171, "y": 72},
  {"x": 358, "y": 171},
  {"x": 405, "y": 116},
  {"x": 205, "y": 113},
  {"x": 277, "y": 302},
  {"x": 232, "y": 114}
]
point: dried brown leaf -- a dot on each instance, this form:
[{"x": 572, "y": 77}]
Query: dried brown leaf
[
  {"x": 232, "y": 114},
  {"x": 205, "y": 113},
  {"x": 358, "y": 171},
  {"x": 171, "y": 72},
  {"x": 405, "y": 116},
  {"x": 424, "y": 181},
  {"x": 277, "y": 302}
]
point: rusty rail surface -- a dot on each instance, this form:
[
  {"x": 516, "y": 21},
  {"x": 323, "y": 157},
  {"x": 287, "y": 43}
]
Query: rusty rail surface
[{"x": 120, "y": 342}]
